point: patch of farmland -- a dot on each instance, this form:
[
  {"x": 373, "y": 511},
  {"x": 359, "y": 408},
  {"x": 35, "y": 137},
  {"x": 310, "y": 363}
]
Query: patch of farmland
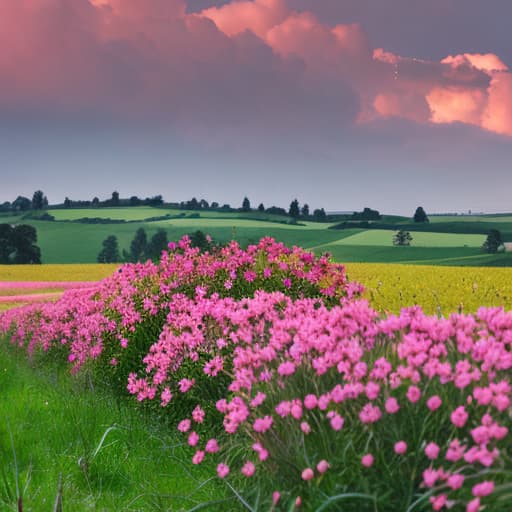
[{"x": 419, "y": 239}]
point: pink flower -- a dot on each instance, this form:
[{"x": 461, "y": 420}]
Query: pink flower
[
  {"x": 298, "y": 501},
  {"x": 459, "y": 416},
  {"x": 261, "y": 425},
  {"x": 455, "y": 481},
  {"x": 430, "y": 477},
  {"x": 400, "y": 447},
  {"x": 391, "y": 405},
  {"x": 275, "y": 497},
  {"x": 222, "y": 470},
  {"x": 323, "y": 466},
  {"x": 248, "y": 469},
  {"x": 305, "y": 427},
  {"x": 413, "y": 394},
  {"x": 287, "y": 282},
  {"x": 250, "y": 276},
  {"x": 198, "y": 457},
  {"x": 267, "y": 272},
  {"x": 228, "y": 284},
  {"x": 367, "y": 460},
  {"x": 432, "y": 451},
  {"x": 370, "y": 414},
  {"x": 198, "y": 414},
  {"x": 286, "y": 368},
  {"x": 186, "y": 384},
  {"x": 184, "y": 426},
  {"x": 166, "y": 397},
  {"x": 193, "y": 439},
  {"x": 337, "y": 422},
  {"x": 473, "y": 505},
  {"x": 212, "y": 446},
  {"x": 438, "y": 502},
  {"x": 434, "y": 402},
  {"x": 307, "y": 474},
  {"x": 310, "y": 402},
  {"x": 483, "y": 489}
]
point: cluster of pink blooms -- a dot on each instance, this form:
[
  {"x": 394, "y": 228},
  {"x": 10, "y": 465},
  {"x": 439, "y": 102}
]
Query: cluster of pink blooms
[{"x": 296, "y": 375}]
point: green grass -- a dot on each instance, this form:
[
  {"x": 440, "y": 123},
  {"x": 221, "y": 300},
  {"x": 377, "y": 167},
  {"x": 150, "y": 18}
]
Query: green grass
[
  {"x": 385, "y": 238},
  {"x": 109, "y": 456}
]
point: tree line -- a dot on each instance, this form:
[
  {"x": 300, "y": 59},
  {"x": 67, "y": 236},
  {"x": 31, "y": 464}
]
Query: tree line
[{"x": 18, "y": 244}]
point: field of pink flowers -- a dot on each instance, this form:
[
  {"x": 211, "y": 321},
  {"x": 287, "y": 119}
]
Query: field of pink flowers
[{"x": 276, "y": 373}]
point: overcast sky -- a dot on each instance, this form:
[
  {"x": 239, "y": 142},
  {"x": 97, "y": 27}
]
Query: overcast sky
[{"x": 339, "y": 103}]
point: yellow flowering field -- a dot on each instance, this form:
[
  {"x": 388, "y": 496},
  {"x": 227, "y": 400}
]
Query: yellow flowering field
[
  {"x": 389, "y": 287},
  {"x": 52, "y": 272},
  {"x": 439, "y": 290}
]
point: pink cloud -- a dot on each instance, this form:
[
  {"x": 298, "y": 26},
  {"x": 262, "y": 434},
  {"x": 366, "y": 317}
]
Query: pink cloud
[{"x": 246, "y": 62}]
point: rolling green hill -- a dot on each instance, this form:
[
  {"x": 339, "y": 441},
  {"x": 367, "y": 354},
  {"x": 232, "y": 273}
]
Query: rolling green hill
[{"x": 446, "y": 240}]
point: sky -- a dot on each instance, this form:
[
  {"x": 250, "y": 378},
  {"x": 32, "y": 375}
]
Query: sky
[{"x": 342, "y": 104}]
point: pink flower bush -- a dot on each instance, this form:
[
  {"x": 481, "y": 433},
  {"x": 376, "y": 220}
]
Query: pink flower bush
[{"x": 288, "y": 368}]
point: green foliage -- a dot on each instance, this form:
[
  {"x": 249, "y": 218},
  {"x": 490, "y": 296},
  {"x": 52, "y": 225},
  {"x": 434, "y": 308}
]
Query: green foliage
[
  {"x": 402, "y": 238},
  {"x": 157, "y": 244},
  {"x": 246, "y": 205},
  {"x": 367, "y": 214},
  {"x": 39, "y": 200},
  {"x": 420, "y": 215},
  {"x": 17, "y": 244},
  {"x": 294, "y": 210},
  {"x": 493, "y": 241},
  {"x": 110, "y": 251},
  {"x": 139, "y": 246}
]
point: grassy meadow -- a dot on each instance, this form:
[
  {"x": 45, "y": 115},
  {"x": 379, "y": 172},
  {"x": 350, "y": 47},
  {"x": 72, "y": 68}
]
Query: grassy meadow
[{"x": 446, "y": 240}]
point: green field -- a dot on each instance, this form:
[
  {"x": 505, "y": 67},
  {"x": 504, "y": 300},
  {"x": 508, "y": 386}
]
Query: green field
[
  {"x": 446, "y": 240},
  {"x": 384, "y": 237}
]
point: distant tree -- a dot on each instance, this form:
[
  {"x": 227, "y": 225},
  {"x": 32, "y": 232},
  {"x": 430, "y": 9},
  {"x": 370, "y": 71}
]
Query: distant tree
[
  {"x": 67, "y": 202},
  {"x": 39, "y": 200},
  {"x": 157, "y": 244},
  {"x": 493, "y": 241},
  {"x": 22, "y": 203},
  {"x": 305, "y": 210},
  {"x": 402, "y": 238},
  {"x": 420, "y": 215},
  {"x": 226, "y": 207},
  {"x": 193, "y": 204},
  {"x": 95, "y": 202},
  {"x": 203, "y": 204},
  {"x": 6, "y": 243},
  {"x": 367, "y": 214},
  {"x": 246, "y": 205},
  {"x": 294, "y": 210},
  {"x": 138, "y": 246},
  {"x": 5, "y": 206},
  {"x": 134, "y": 201},
  {"x": 155, "y": 200},
  {"x": 24, "y": 239},
  {"x": 214, "y": 205},
  {"x": 110, "y": 251},
  {"x": 261, "y": 208},
  {"x": 319, "y": 215},
  {"x": 200, "y": 240},
  {"x": 114, "y": 201},
  {"x": 276, "y": 210}
]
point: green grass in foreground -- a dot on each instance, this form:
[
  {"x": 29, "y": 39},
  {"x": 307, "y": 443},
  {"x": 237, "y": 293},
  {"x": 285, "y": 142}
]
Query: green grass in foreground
[{"x": 108, "y": 456}]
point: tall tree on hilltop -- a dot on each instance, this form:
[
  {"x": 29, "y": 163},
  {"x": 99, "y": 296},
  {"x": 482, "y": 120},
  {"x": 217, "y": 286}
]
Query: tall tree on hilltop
[
  {"x": 420, "y": 215},
  {"x": 115, "y": 198},
  {"x": 39, "y": 200},
  {"x": 294, "y": 210},
  {"x": 261, "y": 208},
  {"x": 246, "y": 205},
  {"x": 305, "y": 210}
]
